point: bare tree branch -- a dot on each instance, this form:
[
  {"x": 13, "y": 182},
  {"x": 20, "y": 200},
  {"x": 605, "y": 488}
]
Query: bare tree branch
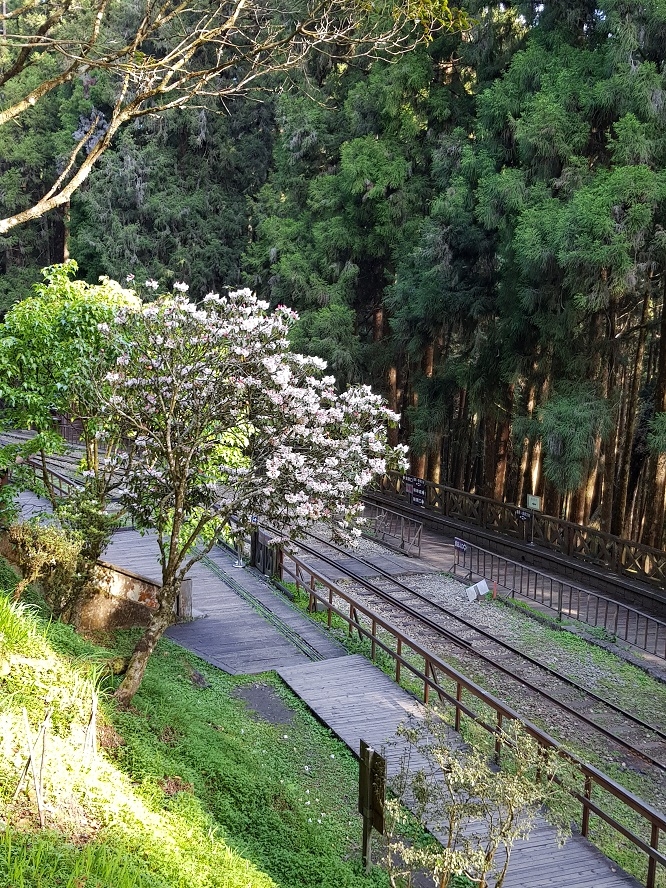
[{"x": 180, "y": 52}]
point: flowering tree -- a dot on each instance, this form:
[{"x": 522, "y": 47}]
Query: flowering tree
[
  {"x": 478, "y": 811},
  {"x": 223, "y": 422}
]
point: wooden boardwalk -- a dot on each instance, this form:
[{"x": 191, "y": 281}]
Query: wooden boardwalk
[
  {"x": 230, "y": 632},
  {"x": 358, "y": 701},
  {"x": 347, "y": 693}
]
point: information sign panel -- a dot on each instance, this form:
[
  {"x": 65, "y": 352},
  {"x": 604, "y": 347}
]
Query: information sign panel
[{"x": 419, "y": 492}]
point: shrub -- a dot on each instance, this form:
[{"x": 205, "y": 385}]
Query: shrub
[{"x": 48, "y": 554}]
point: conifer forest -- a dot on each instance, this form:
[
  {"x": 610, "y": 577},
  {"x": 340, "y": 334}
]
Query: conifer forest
[{"x": 471, "y": 220}]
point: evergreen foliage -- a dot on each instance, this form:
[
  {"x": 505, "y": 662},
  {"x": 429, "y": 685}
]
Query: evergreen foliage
[{"x": 475, "y": 227}]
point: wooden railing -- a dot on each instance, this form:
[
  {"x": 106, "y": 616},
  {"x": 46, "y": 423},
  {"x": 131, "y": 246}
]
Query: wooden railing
[
  {"x": 62, "y": 484},
  {"x": 619, "y": 620},
  {"x": 576, "y": 541},
  {"x": 407, "y": 655}
]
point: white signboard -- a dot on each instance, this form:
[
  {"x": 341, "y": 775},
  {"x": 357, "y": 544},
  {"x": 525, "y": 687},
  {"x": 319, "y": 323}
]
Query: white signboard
[
  {"x": 478, "y": 590},
  {"x": 533, "y": 502}
]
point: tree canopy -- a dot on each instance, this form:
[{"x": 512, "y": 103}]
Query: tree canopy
[
  {"x": 149, "y": 57},
  {"x": 475, "y": 228}
]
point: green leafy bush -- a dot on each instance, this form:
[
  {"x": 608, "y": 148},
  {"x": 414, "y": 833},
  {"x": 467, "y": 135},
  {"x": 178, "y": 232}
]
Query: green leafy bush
[{"x": 46, "y": 553}]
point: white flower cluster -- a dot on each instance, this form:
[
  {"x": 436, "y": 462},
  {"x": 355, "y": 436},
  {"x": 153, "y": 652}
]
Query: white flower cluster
[{"x": 213, "y": 395}]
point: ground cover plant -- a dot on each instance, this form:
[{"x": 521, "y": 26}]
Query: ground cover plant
[{"x": 190, "y": 788}]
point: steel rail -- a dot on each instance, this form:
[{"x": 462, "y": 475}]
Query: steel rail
[
  {"x": 440, "y": 629},
  {"x": 434, "y": 667}
]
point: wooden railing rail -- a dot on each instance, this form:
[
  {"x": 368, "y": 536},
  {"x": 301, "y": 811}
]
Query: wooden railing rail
[
  {"x": 323, "y": 590},
  {"x": 62, "y": 484},
  {"x": 576, "y": 541},
  {"x": 618, "y": 619}
]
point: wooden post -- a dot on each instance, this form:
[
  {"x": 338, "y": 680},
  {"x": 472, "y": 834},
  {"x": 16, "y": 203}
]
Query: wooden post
[
  {"x": 652, "y": 863},
  {"x": 371, "y": 796},
  {"x": 585, "y": 825},
  {"x": 184, "y": 602},
  {"x": 498, "y": 737}
]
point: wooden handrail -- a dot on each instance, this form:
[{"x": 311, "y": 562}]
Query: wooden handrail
[
  {"x": 429, "y": 676},
  {"x": 62, "y": 483},
  {"x": 395, "y": 529},
  {"x": 625, "y": 557}
]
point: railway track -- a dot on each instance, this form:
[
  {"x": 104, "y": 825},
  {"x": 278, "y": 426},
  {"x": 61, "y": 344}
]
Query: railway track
[
  {"x": 566, "y": 706},
  {"x": 504, "y": 669}
]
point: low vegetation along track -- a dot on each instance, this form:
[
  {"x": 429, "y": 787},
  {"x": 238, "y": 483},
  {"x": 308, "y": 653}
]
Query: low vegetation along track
[{"x": 565, "y": 706}]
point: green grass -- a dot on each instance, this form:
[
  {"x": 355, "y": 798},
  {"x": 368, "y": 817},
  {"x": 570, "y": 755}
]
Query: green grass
[{"x": 193, "y": 790}]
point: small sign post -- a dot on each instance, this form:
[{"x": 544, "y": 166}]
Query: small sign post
[
  {"x": 371, "y": 795},
  {"x": 534, "y": 505},
  {"x": 419, "y": 493}
]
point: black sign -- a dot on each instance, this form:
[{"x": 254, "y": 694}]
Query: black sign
[
  {"x": 409, "y": 484},
  {"x": 523, "y": 515},
  {"x": 372, "y": 786},
  {"x": 419, "y": 492},
  {"x": 459, "y": 544}
]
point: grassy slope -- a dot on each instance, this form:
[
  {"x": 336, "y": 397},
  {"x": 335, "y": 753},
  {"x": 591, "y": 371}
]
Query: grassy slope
[{"x": 190, "y": 791}]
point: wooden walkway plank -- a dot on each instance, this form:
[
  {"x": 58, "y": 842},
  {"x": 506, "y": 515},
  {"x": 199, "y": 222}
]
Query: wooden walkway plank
[
  {"x": 231, "y": 634},
  {"x": 379, "y": 707}
]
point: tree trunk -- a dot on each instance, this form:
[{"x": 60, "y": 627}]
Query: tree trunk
[
  {"x": 489, "y": 467},
  {"x": 619, "y": 513},
  {"x": 502, "y": 448},
  {"x": 435, "y": 460},
  {"x": 654, "y": 517},
  {"x": 392, "y": 396},
  {"x": 535, "y": 475},
  {"x": 460, "y": 439},
  {"x": 378, "y": 324},
  {"x": 66, "y": 220},
  {"x": 418, "y": 465},
  {"x": 160, "y": 621},
  {"x": 609, "y": 450},
  {"x": 526, "y": 450}
]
